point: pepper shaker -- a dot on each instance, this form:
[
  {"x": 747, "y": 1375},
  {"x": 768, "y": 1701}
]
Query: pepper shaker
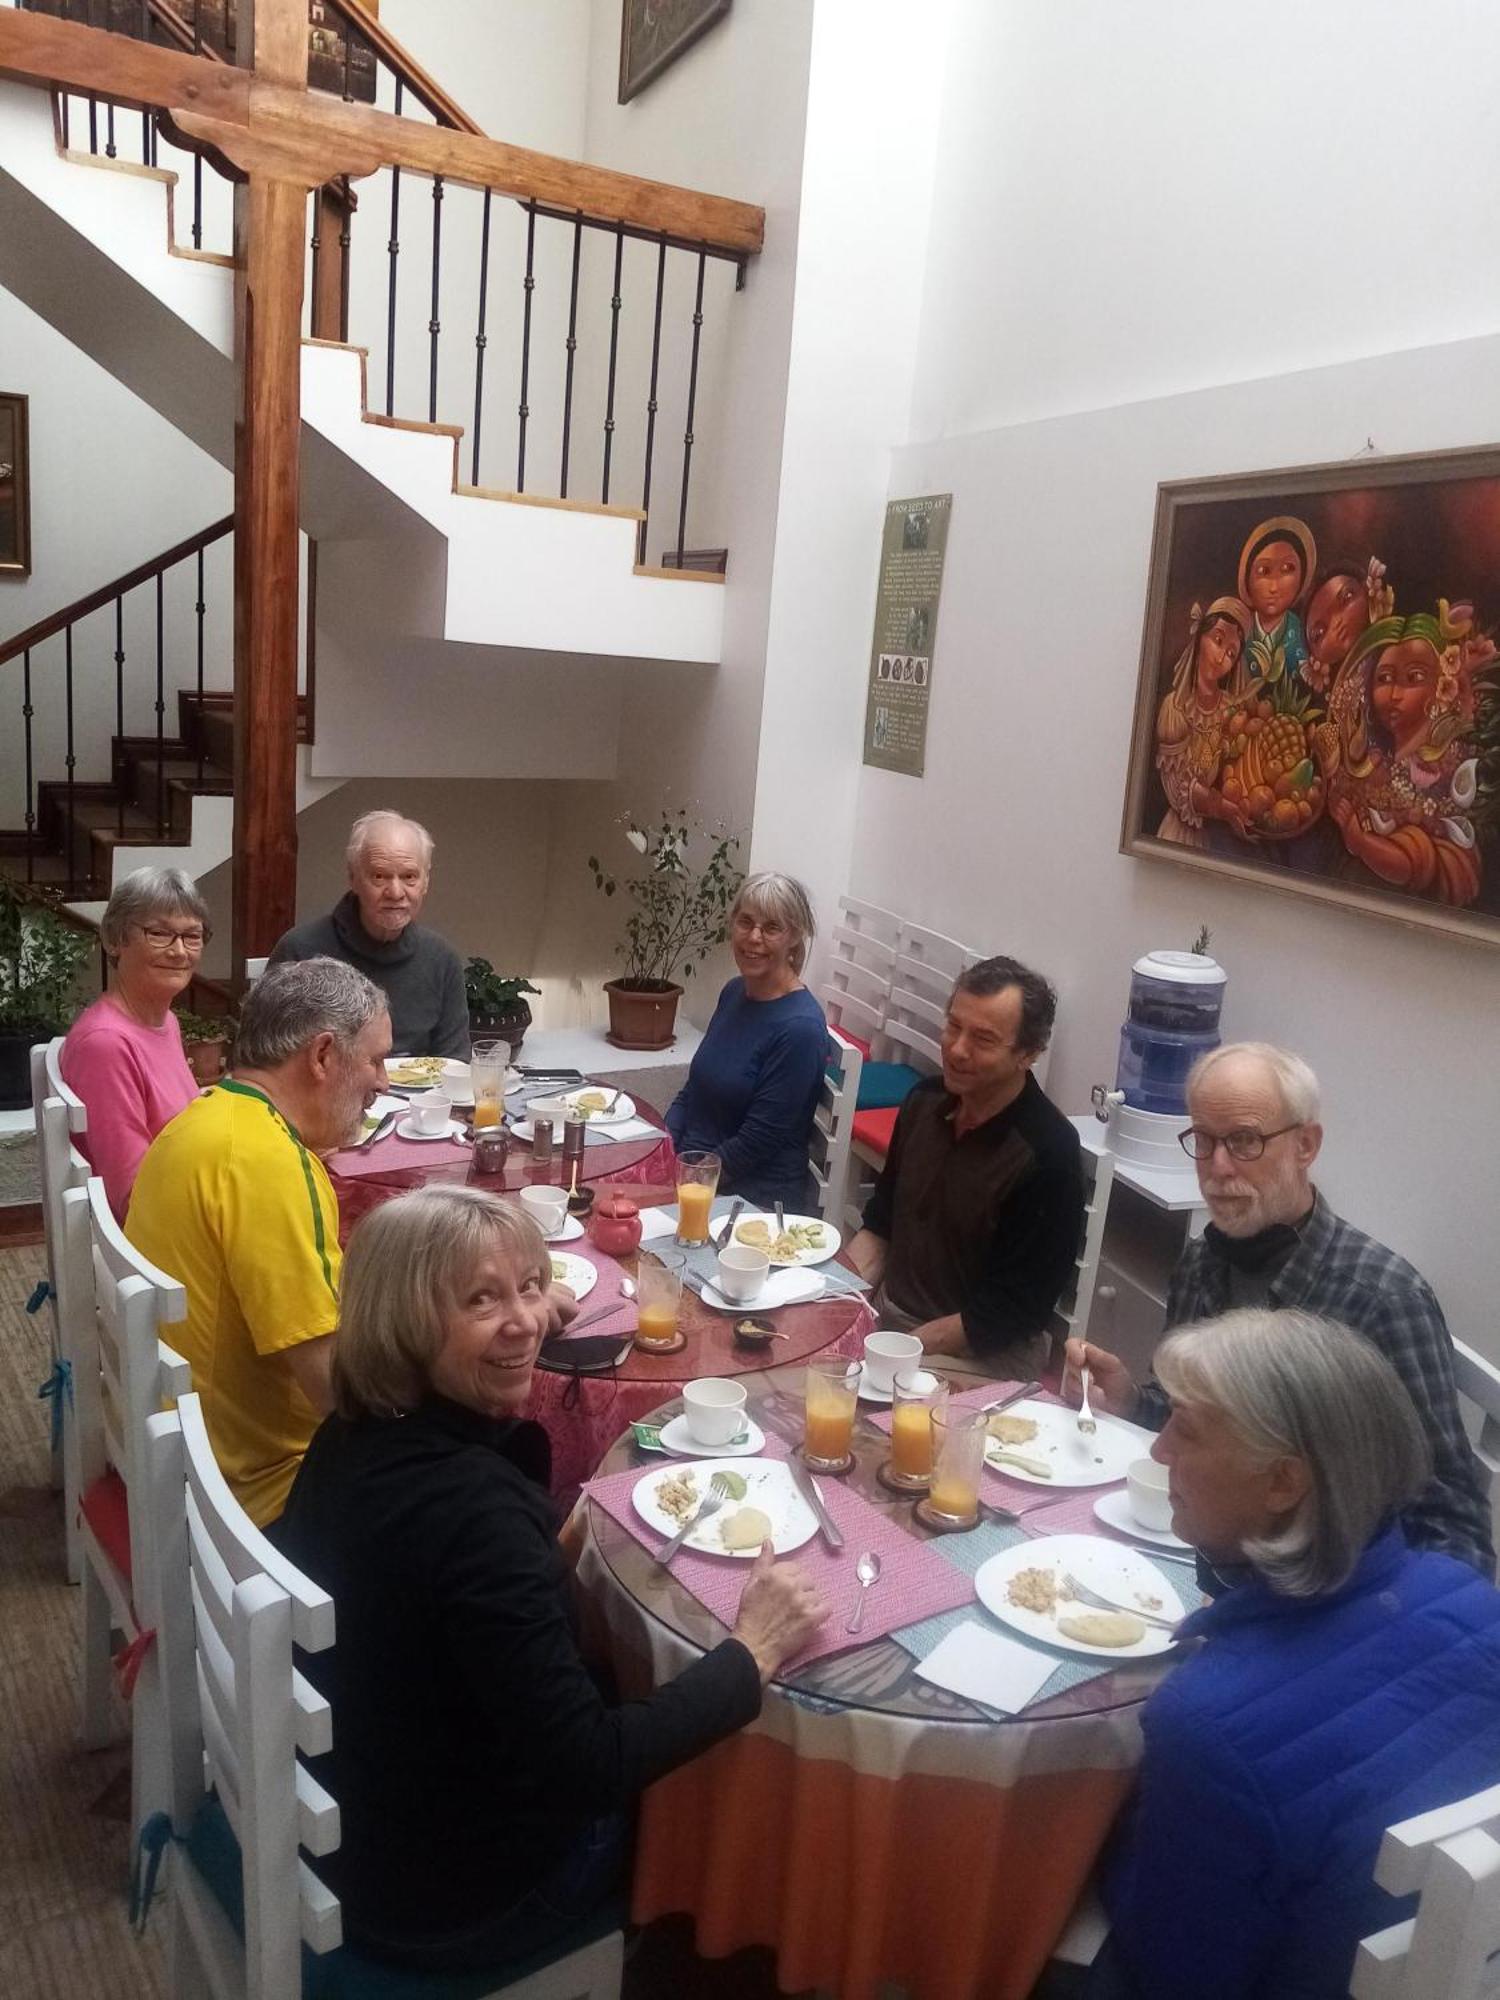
[
  {"x": 541, "y": 1142},
  {"x": 572, "y": 1154}
]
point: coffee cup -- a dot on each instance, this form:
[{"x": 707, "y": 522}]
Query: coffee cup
[
  {"x": 742, "y": 1273},
  {"x": 1150, "y": 1502},
  {"x": 884, "y": 1354},
  {"x": 714, "y": 1409},
  {"x": 547, "y": 1207},
  {"x": 431, "y": 1111}
]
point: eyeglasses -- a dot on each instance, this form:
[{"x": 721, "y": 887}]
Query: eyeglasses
[
  {"x": 772, "y": 931},
  {"x": 160, "y": 940},
  {"x": 1244, "y": 1144}
]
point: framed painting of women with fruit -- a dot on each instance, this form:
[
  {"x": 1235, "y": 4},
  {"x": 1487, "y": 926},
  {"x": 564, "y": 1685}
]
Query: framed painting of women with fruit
[{"x": 1318, "y": 706}]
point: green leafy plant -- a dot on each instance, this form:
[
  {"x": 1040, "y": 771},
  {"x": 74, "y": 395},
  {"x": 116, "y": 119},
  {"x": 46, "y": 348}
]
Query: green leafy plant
[
  {"x": 680, "y": 906},
  {"x": 490, "y": 993},
  {"x": 41, "y": 957},
  {"x": 1200, "y": 942},
  {"x": 200, "y": 1028}
]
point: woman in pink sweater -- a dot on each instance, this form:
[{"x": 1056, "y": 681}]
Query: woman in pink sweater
[{"x": 123, "y": 1055}]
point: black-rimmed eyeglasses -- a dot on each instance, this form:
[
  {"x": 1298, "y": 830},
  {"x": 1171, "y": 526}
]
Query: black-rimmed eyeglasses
[{"x": 1244, "y": 1144}]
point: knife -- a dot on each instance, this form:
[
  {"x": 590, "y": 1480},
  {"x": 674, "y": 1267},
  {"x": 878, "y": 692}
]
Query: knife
[
  {"x": 807, "y": 1486},
  {"x": 379, "y": 1132},
  {"x": 1016, "y": 1396},
  {"x": 724, "y": 1234}
]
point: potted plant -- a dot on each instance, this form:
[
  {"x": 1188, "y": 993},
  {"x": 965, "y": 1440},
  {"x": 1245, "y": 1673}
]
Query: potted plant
[
  {"x": 680, "y": 912},
  {"x": 205, "y": 1042},
  {"x": 41, "y": 956},
  {"x": 496, "y": 1007}
]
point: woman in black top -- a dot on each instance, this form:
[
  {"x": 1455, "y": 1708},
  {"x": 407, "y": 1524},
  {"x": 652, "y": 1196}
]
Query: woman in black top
[{"x": 480, "y": 1773}]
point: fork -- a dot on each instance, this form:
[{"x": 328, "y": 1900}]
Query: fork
[
  {"x": 1087, "y": 1423},
  {"x": 712, "y": 1501},
  {"x": 1071, "y": 1587}
]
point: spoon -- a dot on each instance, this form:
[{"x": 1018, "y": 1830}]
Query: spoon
[{"x": 867, "y": 1569}]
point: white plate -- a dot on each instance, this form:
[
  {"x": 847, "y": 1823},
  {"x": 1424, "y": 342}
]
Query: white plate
[
  {"x": 619, "y": 1114},
  {"x": 782, "y": 1288},
  {"x": 1113, "y": 1571},
  {"x": 577, "y": 1273},
  {"x": 1076, "y": 1460},
  {"x": 406, "y": 1129},
  {"x": 570, "y": 1232},
  {"x": 679, "y": 1440},
  {"x": 831, "y": 1237},
  {"x": 454, "y": 1078},
  {"x": 1113, "y": 1509},
  {"x": 868, "y": 1392},
  {"x": 769, "y": 1487}
]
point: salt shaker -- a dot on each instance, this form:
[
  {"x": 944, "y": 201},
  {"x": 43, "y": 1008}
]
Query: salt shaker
[
  {"x": 541, "y": 1142},
  {"x": 572, "y": 1153}
]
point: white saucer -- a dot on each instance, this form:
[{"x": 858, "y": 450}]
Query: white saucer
[
  {"x": 679, "y": 1440},
  {"x": 570, "y": 1232},
  {"x": 405, "y": 1129},
  {"x": 1113, "y": 1509},
  {"x": 783, "y": 1288},
  {"x": 868, "y": 1393}
]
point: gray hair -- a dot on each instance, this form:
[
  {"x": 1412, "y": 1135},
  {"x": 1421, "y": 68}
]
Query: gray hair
[
  {"x": 291, "y": 1005},
  {"x": 1291, "y": 1385},
  {"x": 146, "y": 893},
  {"x": 369, "y": 827},
  {"x": 407, "y": 1265},
  {"x": 773, "y": 898},
  {"x": 1301, "y": 1100}
]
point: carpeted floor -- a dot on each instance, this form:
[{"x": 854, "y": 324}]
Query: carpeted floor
[{"x": 64, "y": 1837}]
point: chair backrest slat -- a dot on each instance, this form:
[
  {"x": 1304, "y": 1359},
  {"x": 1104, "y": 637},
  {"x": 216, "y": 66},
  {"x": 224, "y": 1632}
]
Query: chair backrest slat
[
  {"x": 317, "y": 1814},
  {"x": 223, "y": 1761}
]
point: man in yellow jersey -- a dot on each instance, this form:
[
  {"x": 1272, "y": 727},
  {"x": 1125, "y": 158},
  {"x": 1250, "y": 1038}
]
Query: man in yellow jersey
[{"x": 233, "y": 1200}]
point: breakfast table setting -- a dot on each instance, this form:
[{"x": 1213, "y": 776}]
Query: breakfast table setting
[{"x": 971, "y": 1703}]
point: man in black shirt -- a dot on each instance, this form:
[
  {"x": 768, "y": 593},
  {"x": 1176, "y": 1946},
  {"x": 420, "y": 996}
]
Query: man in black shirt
[{"x": 977, "y": 1216}]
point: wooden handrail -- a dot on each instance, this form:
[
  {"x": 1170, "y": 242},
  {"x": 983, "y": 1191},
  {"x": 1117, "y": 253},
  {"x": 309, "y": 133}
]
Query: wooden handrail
[
  {"x": 107, "y": 593},
  {"x": 424, "y": 88},
  {"x": 319, "y": 137}
]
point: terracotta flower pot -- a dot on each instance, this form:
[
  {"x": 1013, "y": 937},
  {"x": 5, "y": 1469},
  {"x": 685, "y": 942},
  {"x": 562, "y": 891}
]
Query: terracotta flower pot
[
  {"x": 642, "y": 1018},
  {"x": 508, "y": 1026}
]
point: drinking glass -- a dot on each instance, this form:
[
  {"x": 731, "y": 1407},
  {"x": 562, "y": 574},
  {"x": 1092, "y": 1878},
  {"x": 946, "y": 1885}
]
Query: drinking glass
[
  {"x": 487, "y": 1066},
  {"x": 697, "y": 1184},
  {"x": 958, "y": 1437},
  {"x": 658, "y": 1302},
  {"x": 832, "y": 1393},
  {"x": 915, "y": 1394}
]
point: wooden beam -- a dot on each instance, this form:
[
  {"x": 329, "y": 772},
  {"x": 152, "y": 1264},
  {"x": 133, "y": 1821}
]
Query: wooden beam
[
  {"x": 276, "y": 47},
  {"x": 35, "y": 48},
  {"x": 270, "y": 223}
]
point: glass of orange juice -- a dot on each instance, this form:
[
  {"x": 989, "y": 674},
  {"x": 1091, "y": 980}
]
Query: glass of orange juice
[
  {"x": 832, "y": 1393},
  {"x": 697, "y": 1184},
  {"x": 487, "y": 1066},
  {"x": 658, "y": 1301},
  {"x": 958, "y": 1437},
  {"x": 915, "y": 1394}
]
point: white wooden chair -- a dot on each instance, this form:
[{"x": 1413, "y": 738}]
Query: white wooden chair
[
  {"x": 60, "y": 1119},
  {"x": 859, "y": 969},
  {"x": 254, "y": 968},
  {"x": 833, "y": 1130},
  {"x": 122, "y": 1372},
  {"x": 245, "y": 1719},
  {"x": 1450, "y": 1950},
  {"x": 1479, "y": 1383}
]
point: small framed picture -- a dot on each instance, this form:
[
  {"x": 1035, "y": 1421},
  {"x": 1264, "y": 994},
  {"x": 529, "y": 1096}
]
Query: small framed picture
[
  {"x": 654, "y": 33},
  {"x": 15, "y": 488}
]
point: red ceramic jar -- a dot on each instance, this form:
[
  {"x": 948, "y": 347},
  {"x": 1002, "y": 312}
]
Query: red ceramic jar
[{"x": 615, "y": 1226}]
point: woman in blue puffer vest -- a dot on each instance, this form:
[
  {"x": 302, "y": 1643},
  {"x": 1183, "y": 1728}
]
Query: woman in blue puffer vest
[{"x": 1342, "y": 1683}]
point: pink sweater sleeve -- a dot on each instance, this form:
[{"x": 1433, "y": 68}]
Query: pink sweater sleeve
[{"x": 129, "y": 1092}]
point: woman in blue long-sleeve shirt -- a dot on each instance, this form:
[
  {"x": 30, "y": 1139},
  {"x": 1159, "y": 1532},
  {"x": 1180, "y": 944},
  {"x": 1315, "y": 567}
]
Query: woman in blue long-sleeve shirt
[{"x": 753, "y": 1086}]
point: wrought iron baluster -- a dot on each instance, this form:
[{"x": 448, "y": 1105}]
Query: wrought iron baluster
[
  {"x": 651, "y": 404},
  {"x": 145, "y": 138},
  {"x": 572, "y": 345},
  {"x": 528, "y": 287},
  {"x": 345, "y": 238},
  {"x": 69, "y": 760},
  {"x": 198, "y": 610},
  {"x": 348, "y": 61},
  {"x": 614, "y": 349},
  {"x": 161, "y": 709},
  {"x": 27, "y": 711},
  {"x": 197, "y": 201},
  {"x": 63, "y": 112},
  {"x": 111, "y": 151},
  {"x": 93, "y": 123},
  {"x": 119, "y": 710},
  {"x": 393, "y": 251},
  {"x": 480, "y": 340},
  {"x": 145, "y": 20},
  {"x": 434, "y": 324},
  {"x": 315, "y": 243},
  {"x": 692, "y": 402}
]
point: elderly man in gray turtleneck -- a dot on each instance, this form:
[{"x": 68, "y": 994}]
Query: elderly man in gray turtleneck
[{"x": 374, "y": 928}]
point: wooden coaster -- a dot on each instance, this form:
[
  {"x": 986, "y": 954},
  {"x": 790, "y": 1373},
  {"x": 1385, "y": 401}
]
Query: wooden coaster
[
  {"x": 900, "y": 1483},
  {"x": 661, "y": 1346},
  {"x": 826, "y": 1471},
  {"x": 940, "y": 1523}
]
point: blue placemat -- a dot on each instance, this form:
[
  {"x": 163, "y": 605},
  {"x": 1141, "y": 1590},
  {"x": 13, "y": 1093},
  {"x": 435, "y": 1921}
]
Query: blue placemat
[{"x": 969, "y": 1552}]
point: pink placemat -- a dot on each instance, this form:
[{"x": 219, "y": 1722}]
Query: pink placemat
[
  {"x": 915, "y": 1581},
  {"x": 1019, "y": 1496},
  {"x": 617, "y": 1314},
  {"x": 395, "y": 1155}
]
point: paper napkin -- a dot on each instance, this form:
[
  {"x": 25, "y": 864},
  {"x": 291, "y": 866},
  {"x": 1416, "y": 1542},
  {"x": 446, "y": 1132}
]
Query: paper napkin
[{"x": 984, "y": 1666}]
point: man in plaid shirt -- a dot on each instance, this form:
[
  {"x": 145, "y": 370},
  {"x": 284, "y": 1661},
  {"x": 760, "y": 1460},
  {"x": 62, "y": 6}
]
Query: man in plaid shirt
[{"x": 1274, "y": 1241}]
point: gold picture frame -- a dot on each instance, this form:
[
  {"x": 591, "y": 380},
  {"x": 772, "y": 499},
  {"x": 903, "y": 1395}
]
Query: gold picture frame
[{"x": 1318, "y": 699}]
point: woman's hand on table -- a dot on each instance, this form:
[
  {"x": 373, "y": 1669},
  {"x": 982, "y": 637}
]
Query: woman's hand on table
[
  {"x": 780, "y": 1611},
  {"x": 1111, "y": 1384},
  {"x": 562, "y": 1309}
]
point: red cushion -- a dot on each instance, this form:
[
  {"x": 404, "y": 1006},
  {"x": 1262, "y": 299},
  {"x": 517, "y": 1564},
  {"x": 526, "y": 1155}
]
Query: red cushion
[
  {"x": 858, "y": 1040},
  {"x": 106, "y": 1507},
  {"x": 874, "y": 1128}
]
